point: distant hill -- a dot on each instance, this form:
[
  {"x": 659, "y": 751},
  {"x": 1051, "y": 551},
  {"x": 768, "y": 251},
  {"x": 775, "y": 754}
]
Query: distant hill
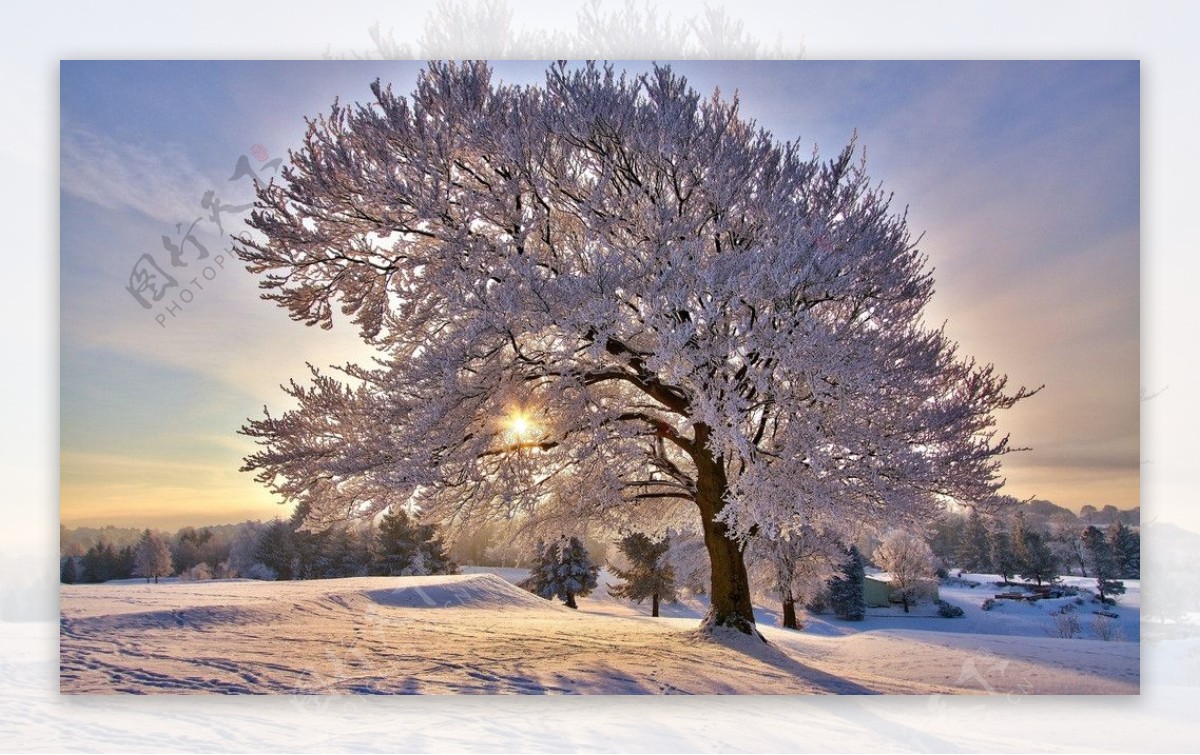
[
  {"x": 1110, "y": 514},
  {"x": 1048, "y": 509}
]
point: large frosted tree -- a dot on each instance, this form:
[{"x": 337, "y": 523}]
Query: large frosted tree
[{"x": 608, "y": 296}]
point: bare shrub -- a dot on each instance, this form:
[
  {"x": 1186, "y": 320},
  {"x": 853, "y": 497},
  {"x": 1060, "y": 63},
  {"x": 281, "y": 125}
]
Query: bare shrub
[
  {"x": 1106, "y": 629},
  {"x": 1066, "y": 625}
]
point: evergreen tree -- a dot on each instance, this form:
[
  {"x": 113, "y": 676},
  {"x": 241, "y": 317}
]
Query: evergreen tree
[
  {"x": 339, "y": 553},
  {"x": 650, "y": 574},
  {"x": 277, "y": 550},
  {"x": 66, "y": 571},
  {"x": 846, "y": 597},
  {"x": 435, "y": 556},
  {"x": 946, "y": 536},
  {"x": 974, "y": 550},
  {"x": 100, "y": 563},
  {"x": 1127, "y": 550},
  {"x": 404, "y": 547},
  {"x": 153, "y": 557},
  {"x": 1104, "y": 564},
  {"x": 125, "y": 563},
  {"x": 396, "y": 544},
  {"x": 1036, "y": 560},
  {"x": 563, "y": 570},
  {"x": 309, "y": 549},
  {"x": 1004, "y": 556},
  {"x": 92, "y": 566}
]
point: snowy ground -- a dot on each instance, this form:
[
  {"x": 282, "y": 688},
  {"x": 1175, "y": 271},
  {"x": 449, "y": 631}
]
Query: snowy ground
[{"x": 477, "y": 633}]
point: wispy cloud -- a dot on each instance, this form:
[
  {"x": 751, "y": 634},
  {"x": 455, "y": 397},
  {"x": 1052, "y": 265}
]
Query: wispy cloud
[{"x": 122, "y": 176}]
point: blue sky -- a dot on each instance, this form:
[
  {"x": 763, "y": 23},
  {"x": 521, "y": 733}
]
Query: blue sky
[{"x": 1023, "y": 177}]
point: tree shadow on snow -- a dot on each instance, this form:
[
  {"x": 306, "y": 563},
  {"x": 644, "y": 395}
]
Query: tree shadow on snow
[{"x": 773, "y": 656}]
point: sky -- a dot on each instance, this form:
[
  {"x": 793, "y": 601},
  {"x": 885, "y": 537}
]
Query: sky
[{"x": 1022, "y": 176}]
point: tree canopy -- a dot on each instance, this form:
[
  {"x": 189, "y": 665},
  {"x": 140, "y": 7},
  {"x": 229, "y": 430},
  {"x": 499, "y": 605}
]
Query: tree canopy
[{"x": 610, "y": 297}]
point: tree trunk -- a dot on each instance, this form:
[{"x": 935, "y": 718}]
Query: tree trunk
[
  {"x": 571, "y": 600},
  {"x": 654, "y": 605},
  {"x": 789, "y": 613},
  {"x": 730, "y": 592},
  {"x": 904, "y": 599}
]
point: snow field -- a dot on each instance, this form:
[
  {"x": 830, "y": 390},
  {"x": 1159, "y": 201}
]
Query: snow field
[{"x": 477, "y": 633}]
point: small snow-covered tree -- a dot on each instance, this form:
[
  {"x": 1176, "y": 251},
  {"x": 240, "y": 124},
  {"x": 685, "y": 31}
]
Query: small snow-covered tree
[
  {"x": 797, "y": 565},
  {"x": 907, "y": 557},
  {"x": 1069, "y": 535},
  {"x": 1103, "y": 563},
  {"x": 689, "y": 559},
  {"x": 610, "y": 283},
  {"x": 153, "y": 557},
  {"x": 649, "y": 573},
  {"x": 562, "y": 569},
  {"x": 846, "y": 598},
  {"x": 196, "y": 573}
]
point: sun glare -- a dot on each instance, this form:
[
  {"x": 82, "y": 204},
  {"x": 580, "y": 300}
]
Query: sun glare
[{"x": 519, "y": 424}]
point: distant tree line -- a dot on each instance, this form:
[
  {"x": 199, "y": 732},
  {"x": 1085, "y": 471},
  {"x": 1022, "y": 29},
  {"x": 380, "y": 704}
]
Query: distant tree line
[
  {"x": 397, "y": 545},
  {"x": 1037, "y": 549}
]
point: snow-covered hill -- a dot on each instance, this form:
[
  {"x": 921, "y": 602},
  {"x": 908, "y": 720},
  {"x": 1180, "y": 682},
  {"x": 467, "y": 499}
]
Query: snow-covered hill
[{"x": 477, "y": 633}]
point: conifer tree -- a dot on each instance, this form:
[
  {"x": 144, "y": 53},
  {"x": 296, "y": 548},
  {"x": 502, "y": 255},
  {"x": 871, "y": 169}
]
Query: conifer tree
[
  {"x": 405, "y": 547},
  {"x": 66, "y": 571},
  {"x": 1004, "y": 557},
  {"x": 846, "y": 597},
  {"x": 650, "y": 574},
  {"x": 1127, "y": 550},
  {"x": 974, "y": 552},
  {"x": 435, "y": 556},
  {"x": 126, "y": 560},
  {"x": 1035, "y": 559},
  {"x": 97, "y": 565},
  {"x": 562, "y": 569},
  {"x": 277, "y": 551},
  {"x": 1104, "y": 564}
]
